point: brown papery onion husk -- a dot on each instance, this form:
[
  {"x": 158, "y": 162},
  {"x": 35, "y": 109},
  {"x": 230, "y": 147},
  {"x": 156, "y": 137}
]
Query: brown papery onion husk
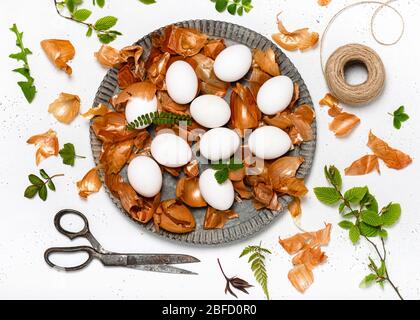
[
  {"x": 192, "y": 169},
  {"x": 115, "y": 156},
  {"x": 99, "y": 110},
  {"x": 188, "y": 191},
  {"x": 46, "y": 144},
  {"x": 144, "y": 90},
  {"x": 362, "y": 166},
  {"x": 343, "y": 124},
  {"x": 111, "y": 128},
  {"x": 89, "y": 184},
  {"x": 266, "y": 61},
  {"x": 213, "y": 47},
  {"x": 174, "y": 217},
  {"x": 65, "y": 108},
  {"x": 183, "y": 41},
  {"x": 284, "y": 167},
  {"x": 216, "y": 219},
  {"x": 256, "y": 80},
  {"x": 59, "y": 52},
  {"x": 156, "y": 67}
]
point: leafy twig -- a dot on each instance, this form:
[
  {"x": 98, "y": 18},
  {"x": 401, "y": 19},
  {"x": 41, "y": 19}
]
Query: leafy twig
[
  {"x": 27, "y": 86},
  {"x": 368, "y": 222},
  {"x": 101, "y": 27},
  {"x": 237, "y": 283},
  {"x": 223, "y": 169},
  {"x": 68, "y": 154},
  {"x": 233, "y": 6},
  {"x": 257, "y": 261},
  {"x": 158, "y": 118},
  {"x": 399, "y": 116},
  {"x": 39, "y": 186}
]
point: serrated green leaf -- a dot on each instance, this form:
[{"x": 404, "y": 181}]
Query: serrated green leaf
[
  {"x": 368, "y": 280},
  {"x": 31, "y": 191},
  {"x": 326, "y": 195},
  {"x": 35, "y": 180},
  {"x": 369, "y": 201},
  {"x": 391, "y": 214},
  {"x": 82, "y": 14},
  {"x": 43, "y": 193},
  {"x": 106, "y": 38},
  {"x": 68, "y": 154},
  {"x": 105, "y": 23},
  {"x": 333, "y": 176},
  {"x": 368, "y": 231},
  {"x": 346, "y": 224},
  {"x": 371, "y": 218},
  {"x": 222, "y": 175},
  {"x": 354, "y": 234},
  {"x": 341, "y": 207},
  {"x": 356, "y": 194}
]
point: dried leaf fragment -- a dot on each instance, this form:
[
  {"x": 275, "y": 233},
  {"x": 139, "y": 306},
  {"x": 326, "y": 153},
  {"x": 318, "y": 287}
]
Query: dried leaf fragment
[
  {"x": 266, "y": 61},
  {"x": 332, "y": 103},
  {"x": 301, "y": 39},
  {"x": 65, "y": 108},
  {"x": 89, "y": 184},
  {"x": 295, "y": 208},
  {"x": 46, "y": 144},
  {"x": 393, "y": 158},
  {"x": 59, "y": 52},
  {"x": 216, "y": 219},
  {"x": 99, "y": 110},
  {"x": 362, "y": 166},
  {"x": 108, "y": 56},
  {"x": 324, "y": 2},
  {"x": 343, "y": 124},
  {"x": 301, "y": 277}
]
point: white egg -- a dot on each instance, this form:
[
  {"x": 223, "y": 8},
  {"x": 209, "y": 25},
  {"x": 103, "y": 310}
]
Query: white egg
[
  {"x": 275, "y": 95},
  {"x": 137, "y": 107},
  {"x": 233, "y": 63},
  {"x": 218, "y": 196},
  {"x": 269, "y": 142},
  {"x": 170, "y": 150},
  {"x": 210, "y": 111},
  {"x": 181, "y": 82},
  {"x": 219, "y": 144},
  {"x": 144, "y": 176}
]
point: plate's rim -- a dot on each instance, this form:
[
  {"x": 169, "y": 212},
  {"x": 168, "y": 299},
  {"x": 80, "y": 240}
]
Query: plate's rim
[{"x": 106, "y": 88}]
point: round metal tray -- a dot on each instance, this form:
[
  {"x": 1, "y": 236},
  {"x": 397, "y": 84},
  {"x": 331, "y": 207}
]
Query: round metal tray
[{"x": 250, "y": 220}]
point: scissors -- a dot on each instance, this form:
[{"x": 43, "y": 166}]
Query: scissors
[{"x": 145, "y": 262}]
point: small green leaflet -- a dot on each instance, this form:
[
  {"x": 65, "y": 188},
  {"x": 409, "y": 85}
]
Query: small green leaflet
[
  {"x": 333, "y": 176},
  {"x": 105, "y": 23},
  {"x": 147, "y": 1},
  {"x": 68, "y": 154},
  {"x": 233, "y": 6},
  {"x": 257, "y": 261},
  {"x": 82, "y": 14},
  {"x": 391, "y": 214},
  {"x": 40, "y": 187},
  {"x": 354, "y": 234},
  {"x": 28, "y": 88},
  {"x": 327, "y": 195},
  {"x": 222, "y": 169},
  {"x": 100, "y": 3},
  {"x": 399, "y": 116}
]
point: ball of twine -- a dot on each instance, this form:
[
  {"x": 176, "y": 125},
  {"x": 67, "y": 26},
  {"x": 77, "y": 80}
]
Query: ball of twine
[{"x": 359, "y": 94}]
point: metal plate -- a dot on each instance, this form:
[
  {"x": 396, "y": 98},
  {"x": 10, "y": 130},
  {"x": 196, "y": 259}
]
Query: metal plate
[{"x": 250, "y": 221}]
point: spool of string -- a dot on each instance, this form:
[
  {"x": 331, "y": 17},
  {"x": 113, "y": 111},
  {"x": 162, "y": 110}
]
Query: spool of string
[{"x": 345, "y": 56}]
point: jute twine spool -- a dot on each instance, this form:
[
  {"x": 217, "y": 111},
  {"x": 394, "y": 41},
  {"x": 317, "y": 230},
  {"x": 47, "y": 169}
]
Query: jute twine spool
[
  {"x": 334, "y": 72},
  {"x": 359, "y": 94}
]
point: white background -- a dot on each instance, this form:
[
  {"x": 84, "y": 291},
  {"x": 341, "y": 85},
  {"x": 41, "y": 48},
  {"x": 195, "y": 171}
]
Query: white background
[{"x": 26, "y": 227}]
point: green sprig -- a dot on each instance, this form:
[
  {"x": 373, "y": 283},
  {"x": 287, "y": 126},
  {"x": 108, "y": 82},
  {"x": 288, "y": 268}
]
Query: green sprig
[
  {"x": 102, "y": 27},
  {"x": 158, "y": 118},
  {"x": 399, "y": 116},
  {"x": 28, "y": 88},
  {"x": 257, "y": 255},
  {"x": 363, "y": 220},
  {"x": 39, "y": 186},
  {"x": 68, "y": 154},
  {"x": 223, "y": 169},
  {"x": 233, "y": 6}
]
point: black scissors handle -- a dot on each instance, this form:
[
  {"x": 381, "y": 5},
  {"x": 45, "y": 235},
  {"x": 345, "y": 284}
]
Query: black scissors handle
[{"x": 80, "y": 249}]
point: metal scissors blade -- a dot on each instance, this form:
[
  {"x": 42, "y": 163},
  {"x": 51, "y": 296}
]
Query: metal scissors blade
[
  {"x": 161, "y": 268},
  {"x": 159, "y": 259}
]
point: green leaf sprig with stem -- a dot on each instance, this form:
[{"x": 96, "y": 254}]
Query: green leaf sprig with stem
[
  {"x": 233, "y": 6},
  {"x": 102, "y": 26},
  {"x": 257, "y": 261},
  {"x": 40, "y": 186},
  {"x": 399, "y": 116},
  {"x": 68, "y": 154},
  {"x": 363, "y": 219},
  {"x": 223, "y": 169},
  {"x": 159, "y": 118},
  {"x": 28, "y": 88}
]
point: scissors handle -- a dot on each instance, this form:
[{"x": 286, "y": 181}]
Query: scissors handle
[
  {"x": 85, "y": 249},
  {"x": 72, "y": 235}
]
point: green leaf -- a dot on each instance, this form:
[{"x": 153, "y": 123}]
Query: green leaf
[
  {"x": 31, "y": 191},
  {"x": 221, "y": 5},
  {"x": 82, "y": 14},
  {"x": 105, "y": 23},
  {"x": 355, "y": 195},
  {"x": 383, "y": 233},
  {"x": 354, "y": 234},
  {"x": 240, "y": 11},
  {"x": 397, "y": 123},
  {"x": 382, "y": 269},
  {"x": 371, "y": 218},
  {"x": 333, "y": 176},
  {"x": 71, "y": 5},
  {"x": 368, "y": 280},
  {"x": 235, "y": 166},
  {"x": 100, "y": 3},
  {"x": 399, "y": 117},
  {"x": 68, "y": 154},
  {"x": 44, "y": 174},
  {"x": 35, "y": 180},
  {"x": 89, "y": 32},
  {"x": 326, "y": 195},
  {"x": 43, "y": 193},
  {"x": 346, "y": 224},
  {"x": 106, "y": 38},
  {"x": 391, "y": 214},
  {"x": 29, "y": 90},
  {"x": 368, "y": 231},
  {"x": 232, "y": 8},
  {"x": 51, "y": 185},
  {"x": 147, "y": 1},
  {"x": 369, "y": 201},
  {"x": 222, "y": 175},
  {"x": 218, "y": 166},
  {"x": 399, "y": 111}
]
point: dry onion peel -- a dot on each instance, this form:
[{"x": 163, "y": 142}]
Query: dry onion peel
[
  {"x": 99, "y": 110},
  {"x": 59, "y": 52},
  {"x": 266, "y": 61},
  {"x": 46, "y": 144},
  {"x": 343, "y": 124},
  {"x": 65, "y": 108},
  {"x": 216, "y": 219},
  {"x": 362, "y": 166},
  {"x": 89, "y": 184}
]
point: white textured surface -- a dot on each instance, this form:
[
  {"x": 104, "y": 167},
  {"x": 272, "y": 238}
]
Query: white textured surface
[{"x": 26, "y": 227}]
